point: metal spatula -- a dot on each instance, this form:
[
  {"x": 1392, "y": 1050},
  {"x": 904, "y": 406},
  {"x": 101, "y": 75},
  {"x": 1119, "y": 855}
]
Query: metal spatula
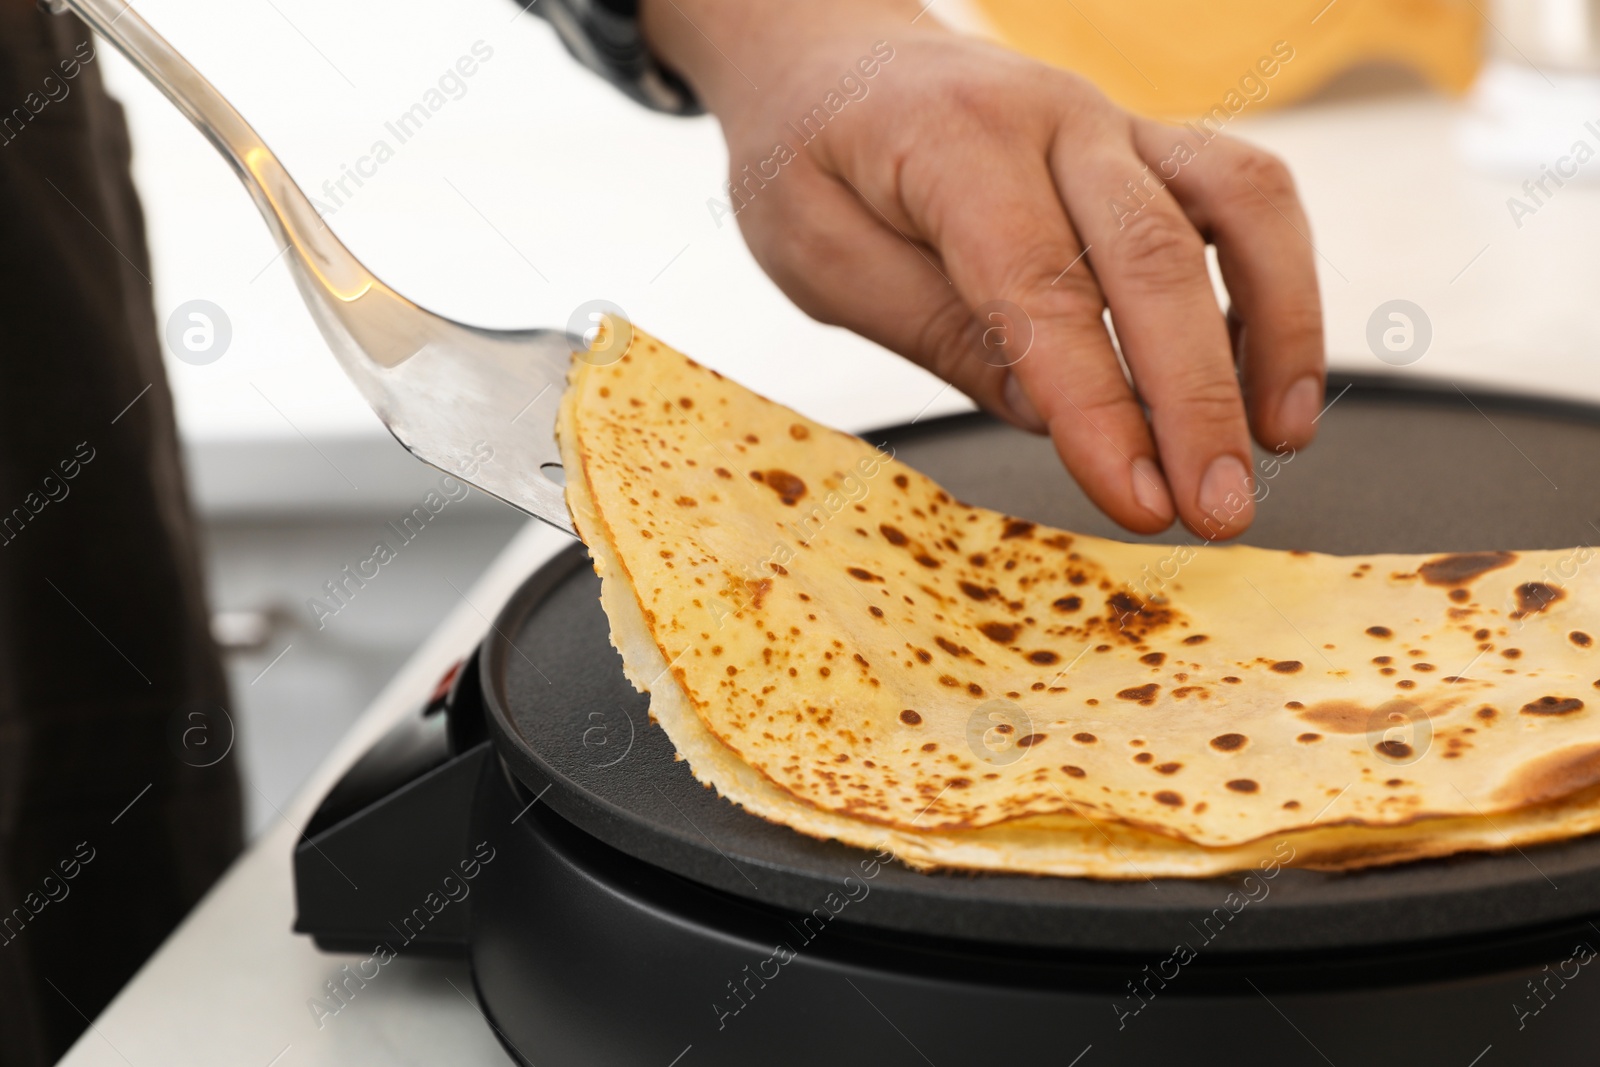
[{"x": 443, "y": 389}]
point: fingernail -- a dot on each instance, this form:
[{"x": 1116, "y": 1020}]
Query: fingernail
[
  {"x": 1301, "y": 403},
  {"x": 1226, "y": 493},
  {"x": 1150, "y": 489},
  {"x": 1027, "y": 415}
]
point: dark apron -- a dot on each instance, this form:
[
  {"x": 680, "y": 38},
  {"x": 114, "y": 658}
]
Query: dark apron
[{"x": 111, "y": 827}]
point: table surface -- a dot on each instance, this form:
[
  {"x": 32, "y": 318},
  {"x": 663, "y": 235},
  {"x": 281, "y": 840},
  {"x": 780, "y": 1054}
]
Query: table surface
[{"x": 1395, "y": 214}]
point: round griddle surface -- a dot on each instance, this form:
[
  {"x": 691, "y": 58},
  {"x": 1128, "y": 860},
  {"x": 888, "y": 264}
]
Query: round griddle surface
[{"x": 1395, "y": 469}]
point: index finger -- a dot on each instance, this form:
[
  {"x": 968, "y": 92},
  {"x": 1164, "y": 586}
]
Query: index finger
[
  {"x": 1003, "y": 234},
  {"x": 1244, "y": 199},
  {"x": 1151, "y": 263}
]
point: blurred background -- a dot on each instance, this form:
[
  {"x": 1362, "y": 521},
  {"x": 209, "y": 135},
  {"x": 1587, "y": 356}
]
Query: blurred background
[{"x": 1436, "y": 144}]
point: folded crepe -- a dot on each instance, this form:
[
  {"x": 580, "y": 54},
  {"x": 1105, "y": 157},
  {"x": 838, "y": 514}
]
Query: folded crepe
[{"x": 836, "y": 644}]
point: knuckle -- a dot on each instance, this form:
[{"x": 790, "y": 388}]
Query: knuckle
[
  {"x": 1099, "y": 392},
  {"x": 1079, "y": 89},
  {"x": 1082, "y": 107},
  {"x": 1077, "y": 293},
  {"x": 1030, "y": 268},
  {"x": 1109, "y": 406},
  {"x": 1208, "y": 399},
  {"x": 1081, "y": 309},
  {"x": 1265, "y": 172},
  {"x": 977, "y": 105},
  {"x": 1159, "y": 248},
  {"x": 1035, "y": 277},
  {"x": 1259, "y": 183},
  {"x": 945, "y": 343},
  {"x": 972, "y": 98}
]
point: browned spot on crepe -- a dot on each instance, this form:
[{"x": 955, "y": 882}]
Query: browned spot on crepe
[
  {"x": 1553, "y": 706},
  {"x": 1534, "y": 597},
  {"x": 1338, "y": 716},
  {"x": 789, "y": 487},
  {"x": 1142, "y": 694},
  {"x": 1462, "y": 567}
]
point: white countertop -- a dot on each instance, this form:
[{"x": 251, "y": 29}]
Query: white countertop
[{"x": 1395, "y": 215}]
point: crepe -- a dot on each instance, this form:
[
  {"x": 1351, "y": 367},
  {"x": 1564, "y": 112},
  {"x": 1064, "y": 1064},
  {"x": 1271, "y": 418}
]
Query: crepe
[{"x": 836, "y": 644}]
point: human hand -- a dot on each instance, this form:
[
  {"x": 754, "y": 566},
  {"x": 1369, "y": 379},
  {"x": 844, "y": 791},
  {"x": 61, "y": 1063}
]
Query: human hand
[{"x": 957, "y": 174}]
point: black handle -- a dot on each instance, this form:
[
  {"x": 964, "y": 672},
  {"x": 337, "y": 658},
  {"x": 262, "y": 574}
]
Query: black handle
[{"x": 378, "y": 864}]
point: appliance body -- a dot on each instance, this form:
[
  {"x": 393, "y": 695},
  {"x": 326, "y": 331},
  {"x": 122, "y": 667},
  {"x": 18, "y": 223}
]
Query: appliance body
[
  {"x": 584, "y": 956},
  {"x": 532, "y": 821}
]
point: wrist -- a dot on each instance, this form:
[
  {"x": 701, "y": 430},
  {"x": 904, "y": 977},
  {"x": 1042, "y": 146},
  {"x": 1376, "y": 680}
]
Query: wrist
[{"x": 725, "y": 49}]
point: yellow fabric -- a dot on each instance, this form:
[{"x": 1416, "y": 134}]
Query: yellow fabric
[{"x": 1176, "y": 59}]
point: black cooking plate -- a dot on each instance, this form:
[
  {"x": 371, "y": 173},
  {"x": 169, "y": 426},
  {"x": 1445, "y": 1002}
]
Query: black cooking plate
[{"x": 1394, "y": 469}]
